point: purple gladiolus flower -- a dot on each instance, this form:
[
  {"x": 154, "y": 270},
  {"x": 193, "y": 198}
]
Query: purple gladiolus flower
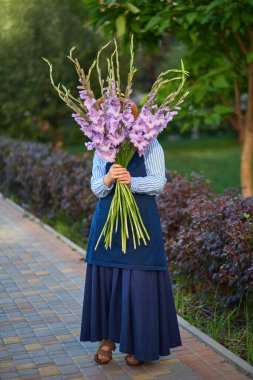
[{"x": 108, "y": 125}]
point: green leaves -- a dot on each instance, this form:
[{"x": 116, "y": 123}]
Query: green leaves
[
  {"x": 235, "y": 24},
  {"x": 152, "y": 22},
  {"x": 222, "y": 109},
  {"x": 121, "y": 25},
  {"x": 212, "y": 119},
  {"x": 132, "y": 8},
  {"x": 249, "y": 57},
  {"x": 191, "y": 16},
  {"x": 164, "y": 25},
  {"x": 206, "y": 29},
  {"x": 221, "y": 82},
  {"x": 24, "y": 72},
  {"x": 213, "y": 4}
]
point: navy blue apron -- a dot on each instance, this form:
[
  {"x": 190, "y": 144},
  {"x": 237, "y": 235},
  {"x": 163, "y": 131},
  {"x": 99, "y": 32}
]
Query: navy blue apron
[{"x": 146, "y": 257}]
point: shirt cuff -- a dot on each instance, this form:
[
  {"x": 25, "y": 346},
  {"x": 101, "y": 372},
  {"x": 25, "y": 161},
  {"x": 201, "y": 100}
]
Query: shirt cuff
[
  {"x": 134, "y": 184},
  {"x": 107, "y": 187}
]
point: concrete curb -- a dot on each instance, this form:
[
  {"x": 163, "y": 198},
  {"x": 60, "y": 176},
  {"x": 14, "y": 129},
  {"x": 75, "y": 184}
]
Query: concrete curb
[
  {"x": 229, "y": 356},
  {"x": 235, "y": 360}
]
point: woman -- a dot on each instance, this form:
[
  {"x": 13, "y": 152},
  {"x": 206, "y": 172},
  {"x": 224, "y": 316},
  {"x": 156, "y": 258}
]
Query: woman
[{"x": 128, "y": 297}]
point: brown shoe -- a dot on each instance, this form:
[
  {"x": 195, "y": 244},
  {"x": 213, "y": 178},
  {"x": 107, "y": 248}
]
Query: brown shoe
[
  {"x": 101, "y": 351},
  {"x": 130, "y": 360}
]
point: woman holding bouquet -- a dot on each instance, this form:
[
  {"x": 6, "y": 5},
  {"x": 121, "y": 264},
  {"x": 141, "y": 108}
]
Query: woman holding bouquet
[{"x": 128, "y": 297}]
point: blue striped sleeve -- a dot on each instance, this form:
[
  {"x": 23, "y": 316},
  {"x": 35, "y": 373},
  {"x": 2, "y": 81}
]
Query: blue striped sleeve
[
  {"x": 155, "y": 180},
  {"x": 97, "y": 179}
]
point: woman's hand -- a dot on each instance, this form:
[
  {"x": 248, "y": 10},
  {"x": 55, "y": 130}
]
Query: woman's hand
[
  {"x": 117, "y": 173},
  {"x": 124, "y": 177}
]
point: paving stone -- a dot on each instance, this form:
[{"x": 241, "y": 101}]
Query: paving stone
[
  {"x": 41, "y": 293},
  {"x": 42, "y": 360},
  {"x": 28, "y": 372},
  {"x": 122, "y": 376},
  {"x": 9, "y": 376},
  {"x": 63, "y": 360}
]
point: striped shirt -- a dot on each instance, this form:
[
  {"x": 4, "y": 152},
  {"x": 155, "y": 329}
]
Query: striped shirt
[{"x": 152, "y": 184}]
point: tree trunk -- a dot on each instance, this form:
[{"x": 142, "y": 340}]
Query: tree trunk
[
  {"x": 238, "y": 127},
  {"x": 241, "y": 136},
  {"x": 238, "y": 120},
  {"x": 246, "y": 157},
  {"x": 57, "y": 137},
  {"x": 246, "y": 164}
]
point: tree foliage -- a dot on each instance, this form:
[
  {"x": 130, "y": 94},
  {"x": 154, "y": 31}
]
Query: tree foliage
[
  {"x": 30, "y": 30},
  {"x": 213, "y": 33},
  {"x": 218, "y": 36}
]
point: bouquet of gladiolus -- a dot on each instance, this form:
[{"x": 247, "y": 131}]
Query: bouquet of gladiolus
[{"x": 115, "y": 130}]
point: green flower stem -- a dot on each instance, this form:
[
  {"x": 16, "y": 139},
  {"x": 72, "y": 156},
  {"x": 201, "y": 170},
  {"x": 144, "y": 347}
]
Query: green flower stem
[
  {"x": 140, "y": 219},
  {"x": 138, "y": 213},
  {"x": 133, "y": 206},
  {"x": 123, "y": 206},
  {"x": 118, "y": 205},
  {"x": 125, "y": 215},
  {"x": 131, "y": 210},
  {"x": 133, "y": 233},
  {"x": 121, "y": 218},
  {"x": 133, "y": 225}
]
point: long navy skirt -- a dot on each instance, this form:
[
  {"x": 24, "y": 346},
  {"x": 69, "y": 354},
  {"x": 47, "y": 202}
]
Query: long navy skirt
[{"x": 134, "y": 308}]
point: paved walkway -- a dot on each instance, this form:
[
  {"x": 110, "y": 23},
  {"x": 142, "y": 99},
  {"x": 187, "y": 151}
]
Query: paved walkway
[{"x": 41, "y": 293}]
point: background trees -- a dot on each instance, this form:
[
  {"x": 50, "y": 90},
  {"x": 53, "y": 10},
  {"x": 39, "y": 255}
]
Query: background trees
[
  {"x": 218, "y": 40},
  {"x": 29, "y": 106}
]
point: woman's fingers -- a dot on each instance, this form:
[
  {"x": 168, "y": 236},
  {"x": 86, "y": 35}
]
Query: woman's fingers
[
  {"x": 117, "y": 170},
  {"x": 120, "y": 172},
  {"x": 117, "y": 166},
  {"x": 124, "y": 178},
  {"x": 122, "y": 175}
]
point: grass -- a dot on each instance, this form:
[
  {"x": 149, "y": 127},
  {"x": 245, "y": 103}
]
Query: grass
[
  {"x": 217, "y": 158},
  {"x": 233, "y": 328}
]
